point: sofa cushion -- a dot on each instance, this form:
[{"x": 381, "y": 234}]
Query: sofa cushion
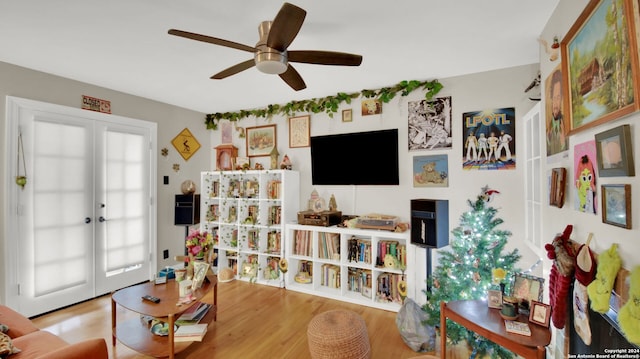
[
  {"x": 6, "y": 346},
  {"x": 37, "y": 344},
  {"x": 90, "y": 348},
  {"x": 18, "y": 324}
]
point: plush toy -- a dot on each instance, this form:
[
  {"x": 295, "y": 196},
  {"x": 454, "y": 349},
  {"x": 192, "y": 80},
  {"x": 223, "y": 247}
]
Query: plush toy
[
  {"x": 561, "y": 276},
  {"x": 599, "y": 290},
  {"x": 629, "y": 315}
]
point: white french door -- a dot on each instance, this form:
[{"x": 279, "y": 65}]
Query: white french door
[{"x": 83, "y": 222}]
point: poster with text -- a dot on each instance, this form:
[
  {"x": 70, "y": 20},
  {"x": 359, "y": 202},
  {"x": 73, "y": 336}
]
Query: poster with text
[{"x": 489, "y": 139}]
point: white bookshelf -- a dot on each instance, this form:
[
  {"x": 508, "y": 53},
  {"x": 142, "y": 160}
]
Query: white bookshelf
[
  {"x": 333, "y": 276},
  {"x": 247, "y": 212}
]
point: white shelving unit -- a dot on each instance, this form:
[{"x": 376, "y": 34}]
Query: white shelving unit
[
  {"x": 324, "y": 253},
  {"x": 246, "y": 211}
]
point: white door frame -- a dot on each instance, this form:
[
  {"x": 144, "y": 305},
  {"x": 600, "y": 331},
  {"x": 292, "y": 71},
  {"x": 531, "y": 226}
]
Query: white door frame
[{"x": 14, "y": 106}]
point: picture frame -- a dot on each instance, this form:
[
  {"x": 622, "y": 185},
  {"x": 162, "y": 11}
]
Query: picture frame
[
  {"x": 494, "y": 299},
  {"x": 586, "y": 51},
  {"x": 614, "y": 152},
  {"x": 431, "y": 171},
  {"x": 616, "y": 205},
  {"x": 347, "y": 115},
  {"x": 260, "y": 140},
  {"x": 199, "y": 273},
  {"x": 371, "y": 106},
  {"x": 558, "y": 185},
  {"x": 540, "y": 313},
  {"x": 300, "y": 131},
  {"x": 527, "y": 288}
]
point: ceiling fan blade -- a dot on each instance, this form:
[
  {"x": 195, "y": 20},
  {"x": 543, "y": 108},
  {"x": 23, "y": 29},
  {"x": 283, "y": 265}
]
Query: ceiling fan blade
[
  {"x": 293, "y": 79},
  {"x": 212, "y": 40},
  {"x": 234, "y": 69},
  {"x": 324, "y": 57},
  {"x": 285, "y": 26}
]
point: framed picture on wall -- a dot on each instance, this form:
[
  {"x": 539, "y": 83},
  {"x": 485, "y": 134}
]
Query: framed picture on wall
[
  {"x": 261, "y": 140},
  {"x": 616, "y": 205},
  {"x": 599, "y": 69},
  {"x": 614, "y": 152},
  {"x": 299, "y": 131}
]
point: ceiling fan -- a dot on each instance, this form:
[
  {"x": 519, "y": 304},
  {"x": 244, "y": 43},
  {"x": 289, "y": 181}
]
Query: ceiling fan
[{"x": 271, "y": 55}]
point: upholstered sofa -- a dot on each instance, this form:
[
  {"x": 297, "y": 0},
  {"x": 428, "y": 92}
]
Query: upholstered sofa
[{"x": 34, "y": 343}]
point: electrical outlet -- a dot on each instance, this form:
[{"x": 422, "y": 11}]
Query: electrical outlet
[
  {"x": 165, "y": 179},
  {"x": 165, "y": 253}
]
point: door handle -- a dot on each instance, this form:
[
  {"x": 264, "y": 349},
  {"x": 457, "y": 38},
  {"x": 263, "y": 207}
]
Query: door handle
[
  {"x": 102, "y": 219},
  {"x": 87, "y": 220}
]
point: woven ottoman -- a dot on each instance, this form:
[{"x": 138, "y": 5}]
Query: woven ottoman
[{"x": 338, "y": 334}]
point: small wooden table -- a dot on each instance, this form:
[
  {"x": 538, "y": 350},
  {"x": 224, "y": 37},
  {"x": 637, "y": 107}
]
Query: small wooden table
[
  {"x": 476, "y": 316},
  {"x": 137, "y": 335}
]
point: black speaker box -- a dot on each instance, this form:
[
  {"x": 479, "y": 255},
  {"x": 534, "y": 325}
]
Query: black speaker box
[
  {"x": 187, "y": 210},
  {"x": 430, "y": 222}
]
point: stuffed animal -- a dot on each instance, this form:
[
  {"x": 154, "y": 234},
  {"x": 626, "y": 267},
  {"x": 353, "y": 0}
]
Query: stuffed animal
[{"x": 429, "y": 174}]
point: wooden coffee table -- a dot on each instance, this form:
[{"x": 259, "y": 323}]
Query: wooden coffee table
[{"x": 137, "y": 335}]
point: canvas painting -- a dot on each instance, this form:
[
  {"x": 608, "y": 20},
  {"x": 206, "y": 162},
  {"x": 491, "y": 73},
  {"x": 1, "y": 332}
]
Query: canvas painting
[
  {"x": 430, "y": 124},
  {"x": 489, "y": 139},
  {"x": 556, "y": 130},
  {"x": 431, "y": 171},
  {"x": 585, "y": 177}
]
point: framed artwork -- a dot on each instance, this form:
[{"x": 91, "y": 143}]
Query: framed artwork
[
  {"x": 527, "y": 288},
  {"x": 557, "y": 187},
  {"x": 540, "y": 313},
  {"x": 261, "y": 140},
  {"x": 300, "y": 131},
  {"x": 199, "y": 273},
  {"x": 431, "y": 171},
  {"x": 494, "y": 299},
  {"x": 556, "y": 129},
  {"x": 347, "y": 115},
  {"x": 371, "y": 107},
  {"x": 489, "y": 139},
  {"x": 614, "y": 152},
  {"x": 616, "y": 205},
  {"x": 584, "y": 163},
  {"x": 186, "y": 144},
  {"x": 430, "y": 124},
  {"x": 599, "y": 65},
  {"x": 225, "y": 132}
]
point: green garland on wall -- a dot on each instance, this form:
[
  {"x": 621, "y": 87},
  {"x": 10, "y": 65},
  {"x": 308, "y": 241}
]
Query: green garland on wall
[{"x": 329, "y": 104}]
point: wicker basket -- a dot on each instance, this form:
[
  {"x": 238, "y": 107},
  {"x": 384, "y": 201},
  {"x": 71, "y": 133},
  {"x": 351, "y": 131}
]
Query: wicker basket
[{"x": 338, "y": 334}]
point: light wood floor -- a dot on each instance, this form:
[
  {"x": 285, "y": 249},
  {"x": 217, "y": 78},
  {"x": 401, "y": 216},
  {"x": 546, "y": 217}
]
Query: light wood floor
[{"x": 254, "y": 321}]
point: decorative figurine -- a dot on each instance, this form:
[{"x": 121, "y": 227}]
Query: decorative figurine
[
  {"x": 274, "y": 158},
  {"x": 286, "y": 163},
  {"x": 333, "y": 206}
]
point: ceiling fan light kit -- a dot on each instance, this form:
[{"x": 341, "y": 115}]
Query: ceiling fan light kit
[{"x": 270, "y": 53}]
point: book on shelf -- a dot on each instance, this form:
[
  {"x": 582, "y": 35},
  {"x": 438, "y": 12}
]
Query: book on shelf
[
  {"x": 517, "y": 327},
  {"x": 190, "y": 332}
]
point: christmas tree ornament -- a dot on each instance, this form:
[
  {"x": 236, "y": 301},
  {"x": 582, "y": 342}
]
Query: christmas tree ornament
[
  {"x": 599, "y": 290},
  {"x": 630, "y": 311},
  {"x": 561, "y": 275},
  {"x": 585, "y": 273}
]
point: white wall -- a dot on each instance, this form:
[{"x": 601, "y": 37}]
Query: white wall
[
  {"x": 487, "y": 90},
  {"x": 555, "y": 219},
  {"x": 26, "y": 83}
]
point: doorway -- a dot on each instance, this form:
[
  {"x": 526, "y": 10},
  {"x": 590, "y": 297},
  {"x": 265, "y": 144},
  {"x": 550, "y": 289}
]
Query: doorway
[{"x": 83, "y": 225}]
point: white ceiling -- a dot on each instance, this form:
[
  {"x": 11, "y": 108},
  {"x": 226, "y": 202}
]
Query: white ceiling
[{"x": 123, "y": 44}]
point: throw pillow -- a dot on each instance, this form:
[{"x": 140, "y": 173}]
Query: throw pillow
[{"x": 6, "y": 346}]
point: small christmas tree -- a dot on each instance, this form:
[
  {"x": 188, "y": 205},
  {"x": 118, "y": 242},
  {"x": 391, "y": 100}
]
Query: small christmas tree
[{"x": 465, "y": 271}]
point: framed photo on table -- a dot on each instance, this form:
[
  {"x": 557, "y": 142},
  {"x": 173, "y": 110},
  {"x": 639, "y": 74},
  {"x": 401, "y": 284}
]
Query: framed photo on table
[
  {"x": 299, "y": 131},
  {"x": 494, "y": 299},
  {"x": 527, "y": 288},
  {"x": 540, "y": 313},
  {"x": 199, "y": 273},
  {"x": 599, "y": 65},
  {"x": 614, "y": 152},
  {"x": 261, "y": 140},
  {"x": 616, "y": 205}
]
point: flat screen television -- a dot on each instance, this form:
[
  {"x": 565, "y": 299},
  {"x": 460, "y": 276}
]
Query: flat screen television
[{"x": 361, "y": 158}]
